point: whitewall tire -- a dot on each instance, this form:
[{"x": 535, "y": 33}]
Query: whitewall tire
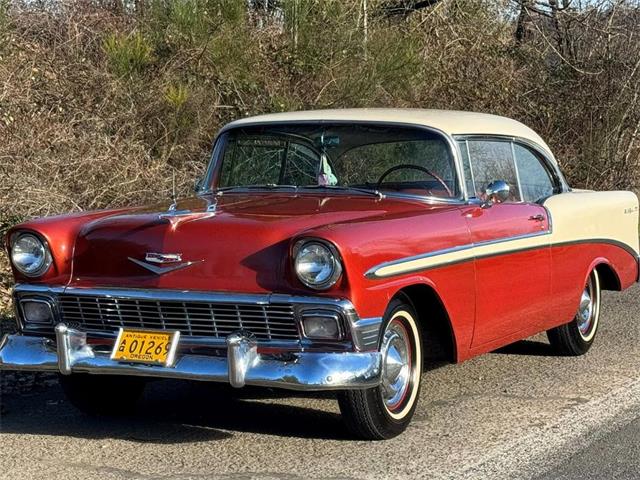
[
  {"x": 385, "y": 411},
  {"x": 576, "y": 337}
]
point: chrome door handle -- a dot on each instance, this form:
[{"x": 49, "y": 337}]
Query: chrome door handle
[{"x": 537, "y": 218}]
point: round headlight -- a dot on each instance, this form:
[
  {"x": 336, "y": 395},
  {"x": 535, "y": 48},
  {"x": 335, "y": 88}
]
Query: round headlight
[
  {"x": 30, "y": 255},
  {"x": 317, "y": 264}
]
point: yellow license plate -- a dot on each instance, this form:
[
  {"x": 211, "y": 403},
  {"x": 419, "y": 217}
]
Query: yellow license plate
[{"x": 153, "y": 347}]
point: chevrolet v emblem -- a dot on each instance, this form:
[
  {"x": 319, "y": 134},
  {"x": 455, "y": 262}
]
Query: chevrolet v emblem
[
  {"x": 171, "y": 258},
  {"x": 163, "y": 257}
]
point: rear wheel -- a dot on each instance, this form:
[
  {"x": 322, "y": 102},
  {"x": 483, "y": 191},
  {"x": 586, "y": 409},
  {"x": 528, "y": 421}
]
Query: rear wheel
[
  {"x": 102, "y": 394},
  {"x": 576, "y": 337},
  {"x": 385, "y": 411}
]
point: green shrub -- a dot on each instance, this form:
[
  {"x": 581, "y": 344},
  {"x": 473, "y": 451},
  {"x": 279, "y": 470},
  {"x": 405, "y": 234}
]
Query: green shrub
[
  {"x": 127, "y": 54},
  {"x": 176, "y": 95}
]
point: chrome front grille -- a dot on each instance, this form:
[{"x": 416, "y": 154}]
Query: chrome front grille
[{"x": 193, "y": 318}]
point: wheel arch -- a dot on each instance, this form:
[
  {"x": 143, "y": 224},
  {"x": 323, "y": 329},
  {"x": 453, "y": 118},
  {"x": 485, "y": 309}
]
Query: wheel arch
[
  {"x": 609, "y": 279},
  {"x": 438, "y": 336}
]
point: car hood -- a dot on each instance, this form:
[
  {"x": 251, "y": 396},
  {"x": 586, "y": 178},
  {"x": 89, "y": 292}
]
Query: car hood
[{"x": 233, "y": 242}]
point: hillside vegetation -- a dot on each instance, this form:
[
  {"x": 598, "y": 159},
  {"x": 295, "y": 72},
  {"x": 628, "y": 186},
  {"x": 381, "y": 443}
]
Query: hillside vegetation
[{"x": 101, "y": 102}]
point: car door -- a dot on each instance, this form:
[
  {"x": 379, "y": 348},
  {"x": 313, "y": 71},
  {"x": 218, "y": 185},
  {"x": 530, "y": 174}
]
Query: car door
[{"x": 511, "y": 246}]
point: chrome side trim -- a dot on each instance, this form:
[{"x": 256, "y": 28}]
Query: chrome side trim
[
  {"x": 307, "y": 371},
  {"x": 373, "y": 273},
  {"x": 366, "y": 333}
]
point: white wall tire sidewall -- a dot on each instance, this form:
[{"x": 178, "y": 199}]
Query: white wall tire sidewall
[
  {"x": 596, "y": 314},
  {"x": 417, "y": 371}
]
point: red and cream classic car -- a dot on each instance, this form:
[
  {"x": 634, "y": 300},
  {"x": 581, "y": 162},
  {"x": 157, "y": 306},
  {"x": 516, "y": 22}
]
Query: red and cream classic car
[{"x": 324, "y": 250}]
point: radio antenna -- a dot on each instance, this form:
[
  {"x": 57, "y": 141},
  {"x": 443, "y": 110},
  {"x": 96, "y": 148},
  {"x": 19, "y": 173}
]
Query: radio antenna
[{"x": 174, "y": 201}]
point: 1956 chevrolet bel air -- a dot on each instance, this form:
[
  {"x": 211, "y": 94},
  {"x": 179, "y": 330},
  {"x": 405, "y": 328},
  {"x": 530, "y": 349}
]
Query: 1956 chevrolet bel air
[{"x": 325, "y": 250}]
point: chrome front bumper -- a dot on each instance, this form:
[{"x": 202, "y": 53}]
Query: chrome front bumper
[{"x": 243, "y": 365}]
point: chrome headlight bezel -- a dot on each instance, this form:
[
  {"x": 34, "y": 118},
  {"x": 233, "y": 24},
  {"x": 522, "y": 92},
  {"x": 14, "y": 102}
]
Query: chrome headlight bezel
[
  {"x": 335, "y": 263},
  {"x": 46, "y": 259}
]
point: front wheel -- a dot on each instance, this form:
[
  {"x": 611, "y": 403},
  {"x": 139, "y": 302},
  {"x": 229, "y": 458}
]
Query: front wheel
[
  {"x": 576, "y": 337},
  {"x": 385, "y": 411},
  {"x": 102, "y": 394}
]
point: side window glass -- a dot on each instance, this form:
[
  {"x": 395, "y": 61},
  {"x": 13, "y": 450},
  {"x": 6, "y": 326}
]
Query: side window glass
[
  {"x": 535, "y": 180},
  {"x": 492, "y": 160}
]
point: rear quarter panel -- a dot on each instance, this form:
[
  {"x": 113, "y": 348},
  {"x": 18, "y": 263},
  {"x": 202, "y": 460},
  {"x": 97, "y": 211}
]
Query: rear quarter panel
[{"x": 588, "y": 229}]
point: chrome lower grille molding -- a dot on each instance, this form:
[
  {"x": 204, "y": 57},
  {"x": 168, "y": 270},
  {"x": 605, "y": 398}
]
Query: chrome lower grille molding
[{"x": 192, "y": 318}]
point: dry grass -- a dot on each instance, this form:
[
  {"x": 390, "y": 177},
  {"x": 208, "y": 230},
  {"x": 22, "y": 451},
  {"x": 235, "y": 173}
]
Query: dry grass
[{"x": 5, "y": 288}]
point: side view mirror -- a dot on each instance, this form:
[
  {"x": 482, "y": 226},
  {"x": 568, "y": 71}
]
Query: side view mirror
[{"x": 496, "y": 192}]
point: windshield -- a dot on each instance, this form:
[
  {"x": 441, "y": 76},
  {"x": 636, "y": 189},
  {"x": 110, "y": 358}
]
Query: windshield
[{"x": 358, "y": 157}]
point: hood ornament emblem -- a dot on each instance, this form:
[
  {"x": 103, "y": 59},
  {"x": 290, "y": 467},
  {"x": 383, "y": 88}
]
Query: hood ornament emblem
[
  {"x": 176, "y": 217},
  {"x": 152, "y": 261}
]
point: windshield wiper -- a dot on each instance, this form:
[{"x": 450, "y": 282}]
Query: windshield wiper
[
  {"x": 266, "y": 186},
  {"x": 367, "y": 191}
]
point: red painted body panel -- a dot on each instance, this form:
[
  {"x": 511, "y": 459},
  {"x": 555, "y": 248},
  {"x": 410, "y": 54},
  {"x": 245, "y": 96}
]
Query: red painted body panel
[
  {"x": 60, "y": 233},
  {"x": 245, "y": 247},
  {"x": 571, "y": 266},
  {"x": 512, "y": 291}
]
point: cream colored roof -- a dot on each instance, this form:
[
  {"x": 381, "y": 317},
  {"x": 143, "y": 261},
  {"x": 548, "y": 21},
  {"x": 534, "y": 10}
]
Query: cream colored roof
[{"x": 449, "y": 121}]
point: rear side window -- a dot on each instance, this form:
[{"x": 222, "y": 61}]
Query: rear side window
[
  {"x": 491, "y": 160},
  {"x": 536, "y": 182}
]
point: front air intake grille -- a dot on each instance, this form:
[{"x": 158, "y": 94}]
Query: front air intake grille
[{"x": 107, "y": 314}]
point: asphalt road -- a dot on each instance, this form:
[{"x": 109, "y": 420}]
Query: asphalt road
[
  {"x": 517, "y": 413},
  {"x": 615, "y": 456}
]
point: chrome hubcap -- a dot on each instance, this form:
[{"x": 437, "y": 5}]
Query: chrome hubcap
[
  {"x": 396, "y": 368},
  {"x": 587, "y": 310}
]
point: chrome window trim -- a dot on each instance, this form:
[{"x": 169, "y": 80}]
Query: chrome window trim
[
  {"x": 213, "y": 167},
  {"x": 515, "y": 166},
  {"x": 459, "y": 143}
]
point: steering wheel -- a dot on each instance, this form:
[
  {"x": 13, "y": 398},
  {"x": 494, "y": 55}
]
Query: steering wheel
[{"x": 413, "y": 167}]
